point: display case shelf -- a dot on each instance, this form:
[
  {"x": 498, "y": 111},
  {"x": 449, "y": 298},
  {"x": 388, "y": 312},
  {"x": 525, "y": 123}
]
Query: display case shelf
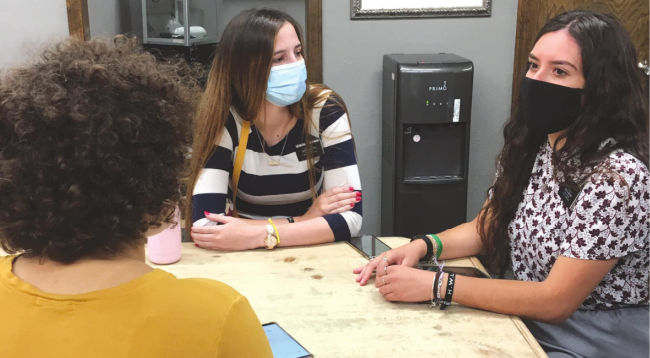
[{"x": 179, "y": 22}]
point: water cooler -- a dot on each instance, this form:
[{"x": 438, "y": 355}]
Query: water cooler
[{"x": 426, "y": 109}]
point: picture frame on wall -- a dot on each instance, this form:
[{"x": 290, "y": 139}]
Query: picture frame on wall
[{"x": 390, "y": 9}]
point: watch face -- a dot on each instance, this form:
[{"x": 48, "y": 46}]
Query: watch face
[{"x": 270, "y": 242}]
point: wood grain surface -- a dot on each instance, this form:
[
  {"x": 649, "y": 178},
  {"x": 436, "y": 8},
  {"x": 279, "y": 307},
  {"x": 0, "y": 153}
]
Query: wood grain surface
[
  {"x": 314, "y": 39},
  {"x": 78, "y": 25},
  {"x": 311, "y": 292}
]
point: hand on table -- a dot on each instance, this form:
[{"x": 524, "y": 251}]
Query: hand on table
[
  {"x": 335, "y": 200},
  {"x": 234, "y": 234},
  {"x": 405, "y": 284},
  {"x": 407, "y": 255}
]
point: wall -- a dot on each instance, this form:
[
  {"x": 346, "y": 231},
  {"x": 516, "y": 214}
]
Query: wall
[
  {"x": 352, "y": 65},
  {"x": 229, "y": 8},
  {"x": 110, "y": 17},
  {"x": 27, "y": 25}
]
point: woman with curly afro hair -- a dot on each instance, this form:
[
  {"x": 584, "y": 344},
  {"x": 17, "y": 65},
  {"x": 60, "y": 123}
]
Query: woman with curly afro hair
[{"x": 93, "y": 144}]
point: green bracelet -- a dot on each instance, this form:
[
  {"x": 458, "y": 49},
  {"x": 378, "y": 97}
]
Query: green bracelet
[{"x": 438, "y": 247}]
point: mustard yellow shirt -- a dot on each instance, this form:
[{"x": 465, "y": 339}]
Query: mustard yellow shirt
[{"x": 155, "y": 315}]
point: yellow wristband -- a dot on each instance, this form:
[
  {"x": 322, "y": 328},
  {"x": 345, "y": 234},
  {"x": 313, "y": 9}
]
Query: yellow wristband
[{"x": 277, "y": 234}]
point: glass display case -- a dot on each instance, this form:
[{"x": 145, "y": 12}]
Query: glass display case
[{"x": 179, "y": 22}]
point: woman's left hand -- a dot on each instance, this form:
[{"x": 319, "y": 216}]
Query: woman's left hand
[
  {"x": 406, "y": 255},
  {"x": 404, "y": 284},
  {"x": 233, "y": 234},
  {"x": 335, "y": 200}
]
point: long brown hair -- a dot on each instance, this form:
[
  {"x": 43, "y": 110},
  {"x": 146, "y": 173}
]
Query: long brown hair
[
  {"x": 613, "y": 107},
  {"x": 238, "y": 79}
]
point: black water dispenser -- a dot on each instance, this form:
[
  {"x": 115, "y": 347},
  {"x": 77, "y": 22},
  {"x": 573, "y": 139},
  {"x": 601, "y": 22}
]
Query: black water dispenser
[{"x": 427, "y": 101}]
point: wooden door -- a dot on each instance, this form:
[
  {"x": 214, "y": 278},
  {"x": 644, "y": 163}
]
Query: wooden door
[{"x": 532, "y": 15}]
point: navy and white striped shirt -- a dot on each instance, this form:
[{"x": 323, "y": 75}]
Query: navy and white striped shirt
[{"x": 281, "y": 190}]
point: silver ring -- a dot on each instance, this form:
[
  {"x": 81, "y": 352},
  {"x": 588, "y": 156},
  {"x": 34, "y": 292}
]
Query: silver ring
[
  {"x": 383, "y": 281},
  {"x": 386, "y": 269}
]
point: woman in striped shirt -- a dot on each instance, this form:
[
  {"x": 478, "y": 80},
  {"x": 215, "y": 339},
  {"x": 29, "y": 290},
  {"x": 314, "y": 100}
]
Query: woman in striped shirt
[{"x": 298, "y": 183}]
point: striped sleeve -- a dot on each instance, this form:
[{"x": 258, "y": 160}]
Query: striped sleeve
[
  {"x": 340, "y": 168},
  {"x": 211, "y": 189}
]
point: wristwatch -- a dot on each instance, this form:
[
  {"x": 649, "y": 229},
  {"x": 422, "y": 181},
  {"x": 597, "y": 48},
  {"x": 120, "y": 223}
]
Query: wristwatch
[{"x": 271, "y": 240}]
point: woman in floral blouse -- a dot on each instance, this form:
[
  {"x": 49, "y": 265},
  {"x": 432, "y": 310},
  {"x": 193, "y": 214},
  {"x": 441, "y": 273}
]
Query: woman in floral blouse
[{"x": 568, "y": 211}]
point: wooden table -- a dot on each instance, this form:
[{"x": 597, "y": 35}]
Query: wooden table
[{"x": 311, "y": 292}]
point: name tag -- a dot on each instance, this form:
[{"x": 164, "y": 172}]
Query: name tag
[
  {"x": 315, "y": 147},
  {"x": 568, "y": 192}
]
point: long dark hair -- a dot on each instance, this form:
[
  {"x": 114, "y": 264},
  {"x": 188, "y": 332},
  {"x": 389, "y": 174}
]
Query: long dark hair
[
  {"x": 238, "y": 78},
  {"x": 613, "y": 107}
]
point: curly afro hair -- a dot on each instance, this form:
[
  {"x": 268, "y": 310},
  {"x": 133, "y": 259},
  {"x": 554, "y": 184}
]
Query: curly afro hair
[{"x": 93, "y": 144}]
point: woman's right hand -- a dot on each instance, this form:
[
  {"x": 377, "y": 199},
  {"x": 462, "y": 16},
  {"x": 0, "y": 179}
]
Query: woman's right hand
[
  {"x": 232, "y": 235},
  {"x": 336, "y": 200},
  {"x": 407, "y": 255}
]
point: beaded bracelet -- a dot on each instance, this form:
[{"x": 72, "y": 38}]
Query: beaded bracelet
[
  {"x": 434, "y": 256},
  {"x": 438, "y": 245},
  {"x": 449, "y": 292},
  {"x": 433, "y": 291},
  {"x": 438, "y": 293}
]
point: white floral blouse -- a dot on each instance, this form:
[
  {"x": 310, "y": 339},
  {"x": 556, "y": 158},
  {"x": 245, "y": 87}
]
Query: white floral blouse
[{"x": 609, "y": 219}]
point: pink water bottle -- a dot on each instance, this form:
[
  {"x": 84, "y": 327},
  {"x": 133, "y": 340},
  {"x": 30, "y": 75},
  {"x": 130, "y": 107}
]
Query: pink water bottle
[{"x": 165, "y": 247}]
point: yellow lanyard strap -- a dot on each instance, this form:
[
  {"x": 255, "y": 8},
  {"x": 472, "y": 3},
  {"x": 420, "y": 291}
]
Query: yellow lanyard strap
[{"x": 239, "y": 160}]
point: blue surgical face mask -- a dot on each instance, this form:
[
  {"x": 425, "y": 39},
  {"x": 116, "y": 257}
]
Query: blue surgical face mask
[{"x": 287, "y": 83}]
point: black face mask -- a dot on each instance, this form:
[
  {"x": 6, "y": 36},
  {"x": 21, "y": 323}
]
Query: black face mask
[{"x": 547, "y": 107}]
